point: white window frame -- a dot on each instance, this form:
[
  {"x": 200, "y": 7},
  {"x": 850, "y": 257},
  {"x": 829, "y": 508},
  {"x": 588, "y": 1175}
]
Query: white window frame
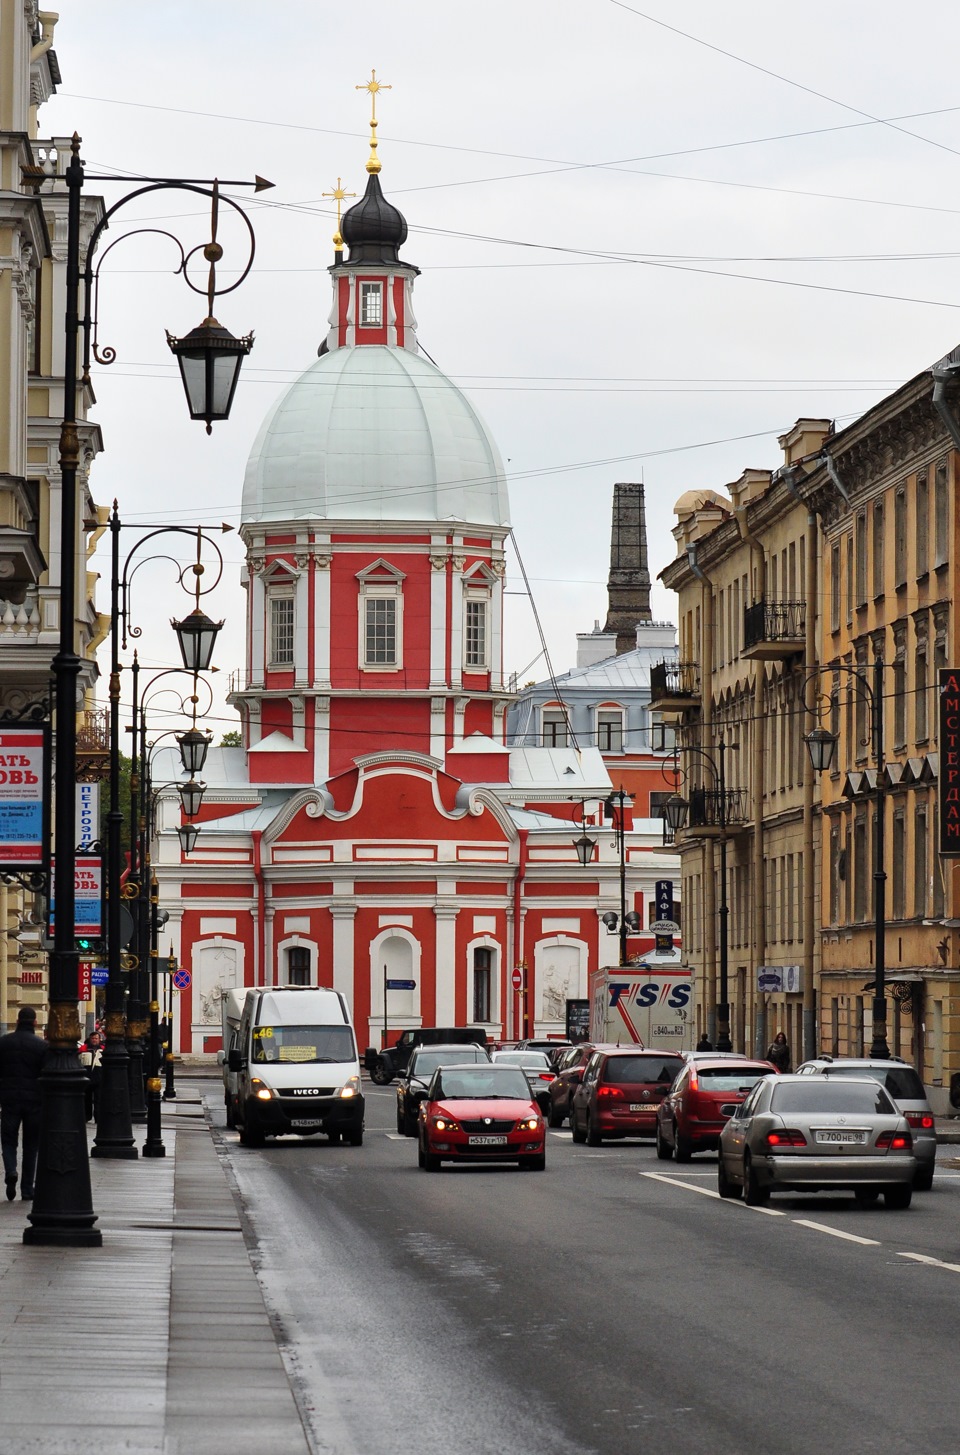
[
  {"x": 551, "y": 715},
  {"x": 276, "y": 595},
  {"x": 479, "y": 599},
  {"x": 382, "y": 591},
  {"x": 370, "y": 289}
]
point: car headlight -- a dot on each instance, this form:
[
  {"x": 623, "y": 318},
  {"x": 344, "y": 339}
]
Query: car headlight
[
  {"x": 350, "y": 1088},
  {"x": 530, "y": 1124},
  {"x": 444, "y": 1124},
  {"x": 260, "y": 1089}
]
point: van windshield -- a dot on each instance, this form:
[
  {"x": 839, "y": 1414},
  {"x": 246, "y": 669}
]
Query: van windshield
[{"x": 303, "y": 1045}]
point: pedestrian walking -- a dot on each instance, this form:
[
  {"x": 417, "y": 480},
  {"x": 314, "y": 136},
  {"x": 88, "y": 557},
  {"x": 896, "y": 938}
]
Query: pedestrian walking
[
  {"x": 778, "y": 1052},
  {"x": 91, "y": 1059},
  {"x": 704, "y": 1043},
  {"x": 22, "y": 1054}
]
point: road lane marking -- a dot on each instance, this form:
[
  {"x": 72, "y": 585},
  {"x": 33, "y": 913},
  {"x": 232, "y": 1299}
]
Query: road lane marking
[
  {"x": 836, "y": 1232},
  {"x": 932, "y": 1262}
]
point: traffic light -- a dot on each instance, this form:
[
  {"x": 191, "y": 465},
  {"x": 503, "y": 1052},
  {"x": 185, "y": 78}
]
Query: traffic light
[{"x": 89, "y": 946}]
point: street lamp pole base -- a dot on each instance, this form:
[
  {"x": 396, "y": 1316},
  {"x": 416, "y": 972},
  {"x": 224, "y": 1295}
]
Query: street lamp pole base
[
  {"x": 114, "y": 1138},
  {"x": 724, "y": 1042},
  {"x": 62, "y": 1213}
]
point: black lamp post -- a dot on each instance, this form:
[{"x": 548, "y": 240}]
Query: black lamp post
[
  {"x": 822, "y": 745},
  {"x": 614, "y": 809},
  {"x": 676, "y": 811},
  {"x": 62, "y": 1211}
]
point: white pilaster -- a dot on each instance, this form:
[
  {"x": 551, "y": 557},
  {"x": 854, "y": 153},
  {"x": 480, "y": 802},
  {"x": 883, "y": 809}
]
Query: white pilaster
[
  {"x": 301, "y": 617},
  {"x": 321, "y": 617},
  {"x": 321, "y": 739},
  {"x": 438, "y": 727},
  {"x": 343, "y": 916},
  {"x": 447, "y": 969},
  {"x": 258, "y": 623},
  {"x": 438, "y": 611}
]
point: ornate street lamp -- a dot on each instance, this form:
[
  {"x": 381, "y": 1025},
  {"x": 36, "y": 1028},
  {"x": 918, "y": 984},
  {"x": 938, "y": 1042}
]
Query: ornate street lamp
[
  {"x": 210, "y": 358},
  {"x": 822, "y": 747},
  {"x": 188, "y": 833},
  {"x": 585, "y": 847},
  {"x": 194, "y": 746},
  {"x": 197, "y": 636},
  {"x": 191, "y": 797},
  {"x": 675, "y": 811}
]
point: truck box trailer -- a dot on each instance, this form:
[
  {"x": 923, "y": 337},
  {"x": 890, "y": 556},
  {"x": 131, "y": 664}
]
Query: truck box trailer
[{"x": 643, "y": 1005}]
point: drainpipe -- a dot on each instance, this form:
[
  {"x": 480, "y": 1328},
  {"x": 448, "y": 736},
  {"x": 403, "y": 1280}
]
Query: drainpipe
[
  {"x": 812, "y": 862},
  {"x": 707, "y": 852},
  {"x": 831, "y": 470},
  {"x": 754, "y": 999},
  {"x": 942, "y": 376},
  {"x": 523, "y": 1018},
  {"x": 260, "y": 968},
  {"x": 48, "y": 20}
]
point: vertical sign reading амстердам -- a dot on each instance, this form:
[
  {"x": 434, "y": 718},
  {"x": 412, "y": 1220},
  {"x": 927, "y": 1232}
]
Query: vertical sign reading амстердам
[{"x": 949, "y": 777}]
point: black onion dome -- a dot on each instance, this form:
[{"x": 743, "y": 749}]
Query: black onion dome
[{"x": 373, "y": 228}]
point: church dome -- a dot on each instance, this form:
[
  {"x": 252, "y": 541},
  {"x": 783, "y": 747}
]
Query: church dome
[
  {"x": 373, "y": 229},
  {"x": 374, "y": 433}
]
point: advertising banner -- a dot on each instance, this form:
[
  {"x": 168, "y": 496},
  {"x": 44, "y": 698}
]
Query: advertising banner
[
  {"x": 87, "y": 897},
  {"x": 88, "y": 814},
  {"x": 949, "y": 776},
  {"x": 22, "y": 776}
]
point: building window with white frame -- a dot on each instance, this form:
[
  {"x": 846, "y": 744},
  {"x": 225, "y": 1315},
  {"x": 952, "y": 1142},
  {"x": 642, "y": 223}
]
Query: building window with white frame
[
  {"x": 482, "y": 984},
  {"x": 281, "y": 606},
  {"x": 371, "y": 305},
  {"x": 298, "y": 965},
  {"x": 610, "y": 729},
  {"x": 475, "y": 635},
  {"x": 380, "y": 630},
  {"x": 553, "y": 724}
]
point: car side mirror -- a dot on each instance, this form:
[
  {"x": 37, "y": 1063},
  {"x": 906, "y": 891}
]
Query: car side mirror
[
  {"x": 542, "y": 1099},
  {"x": 235, "y": 1059},
  {"x": 220, "y": 1058}
]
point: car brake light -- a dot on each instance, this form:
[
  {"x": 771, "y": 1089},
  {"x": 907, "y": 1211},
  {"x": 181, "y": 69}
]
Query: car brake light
[
  {"x": 920, "y": 1119},
  {"x": 612, "y": 1091},
  {"x": 787, "y": 1138},
  {"x": 546, "y": 1076},
  {"x": 693, "y": 1083},
  {"x": 895, "y": 1141}
]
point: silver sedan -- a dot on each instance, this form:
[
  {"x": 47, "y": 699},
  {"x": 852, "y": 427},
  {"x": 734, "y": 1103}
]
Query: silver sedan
[{"x": 812, "y": 1134}]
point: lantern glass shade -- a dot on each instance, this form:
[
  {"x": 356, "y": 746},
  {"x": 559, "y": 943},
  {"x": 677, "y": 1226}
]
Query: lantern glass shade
[
  {"x": 821, "y": 745},
  {"x": 191, "y": 797},
  {"x": 584, "y": 847},
  {"x": 675, "y": 812},
  {"x": 197, "y": 636},
  {"x": 188, "y": 833},
  {"x": 210, "y": 358},
  {"x": 193, "y": 747}
]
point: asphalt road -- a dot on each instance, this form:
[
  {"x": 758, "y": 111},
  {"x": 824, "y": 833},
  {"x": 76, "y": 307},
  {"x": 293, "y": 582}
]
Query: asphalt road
[{"x": 611, "y": 1304}]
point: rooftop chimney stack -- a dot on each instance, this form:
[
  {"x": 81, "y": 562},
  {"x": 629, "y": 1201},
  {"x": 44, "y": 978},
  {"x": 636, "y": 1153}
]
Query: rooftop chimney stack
[{"x": 628, "y": 585}]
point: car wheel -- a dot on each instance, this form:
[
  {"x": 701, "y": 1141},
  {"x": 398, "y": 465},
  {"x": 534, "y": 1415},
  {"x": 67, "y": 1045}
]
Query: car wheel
[
  {"x": 554, "y": 1117},
  {"x": 231, "y": 1119},
  {"x": 334, "y": 1138},
  {"x": 923, "y": 1179},
  {"x": 381, "y": 1074},
  {"x": 578, "y": 1135},
  {"x": 898, "y": 1198},
  {"x": 430, "y": 1162},
  {"x": 663, "y": 1151},
  {"x": 593, "y": 1137},
  {"x": 251, "y": 1137},
  {"x": 753, "y": 1194},
  {"x": 682, "y": 1150},
  {"x": 409, "y": 1127},
  {"x": 725, "y": 1187},
  {"x": 354, "y": 1137},
  {"x": 401, "y": 1122},
  {"x": 534, "y": 1164},
  {"x": 865, "y": 1196},
  {"x": 420, "y": 1162}
]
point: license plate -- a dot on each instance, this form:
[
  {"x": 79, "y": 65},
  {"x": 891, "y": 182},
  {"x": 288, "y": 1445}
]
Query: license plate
[
  {"x": 487, "y": 1141},
  {"x": 644, "y": 1105},
  {"x": 304, "y": 1126},
  {"x": 846, "y": 1139}
]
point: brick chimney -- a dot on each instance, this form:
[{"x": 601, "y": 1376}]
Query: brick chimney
[{"x": 628, "y": 585}]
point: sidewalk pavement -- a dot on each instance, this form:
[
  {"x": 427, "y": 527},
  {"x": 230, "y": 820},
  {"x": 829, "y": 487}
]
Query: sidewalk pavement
[{"x": 158, "y": 1343}]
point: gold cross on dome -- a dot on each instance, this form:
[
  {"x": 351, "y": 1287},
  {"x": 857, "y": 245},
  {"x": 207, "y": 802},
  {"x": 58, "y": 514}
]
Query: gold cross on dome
[
  {"x": 338, "y": 194},
  {"x": 373, "y": 86}
]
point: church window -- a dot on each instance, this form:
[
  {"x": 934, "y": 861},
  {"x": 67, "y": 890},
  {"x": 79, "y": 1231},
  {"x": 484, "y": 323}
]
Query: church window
[
  {"x": 475, "y": 633},
  {"x": 554, "y": 724},
  {"x": 610, "y": 730},
  {"x": 380, "y": 631},
  {"x": 298, "y": 965},
  {"x": 371, "y": 305},
  {"x": 281, "y": 630}
]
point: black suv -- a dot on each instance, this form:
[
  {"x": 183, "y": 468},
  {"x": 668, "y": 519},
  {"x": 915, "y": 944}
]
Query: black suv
[
  {"x": 386, "y": 1064},
  {"x": 413, "y": 1083}
]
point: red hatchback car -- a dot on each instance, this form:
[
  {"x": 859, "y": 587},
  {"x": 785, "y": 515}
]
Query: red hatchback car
[
  {"x": 480, "y": 1113},
  {"x": 620, "y": 1092},
  {"x": 701, "y": 1102}
]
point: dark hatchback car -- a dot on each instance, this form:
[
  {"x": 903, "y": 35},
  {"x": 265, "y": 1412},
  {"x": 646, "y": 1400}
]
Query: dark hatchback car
[
  {"x": 412, "y": 1087},
  {"x": 702, "y": 1100},
  {"x": 620, "y": 1093},
  {"x": 571, "y": 1065}
]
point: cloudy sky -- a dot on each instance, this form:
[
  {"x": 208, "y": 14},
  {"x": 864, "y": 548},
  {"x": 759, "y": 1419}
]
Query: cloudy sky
[{"x": 651, "y": 236}]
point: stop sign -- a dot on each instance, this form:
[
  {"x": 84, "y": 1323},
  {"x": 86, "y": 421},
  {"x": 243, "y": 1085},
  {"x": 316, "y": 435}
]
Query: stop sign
[{"x": 518, "y": 979}]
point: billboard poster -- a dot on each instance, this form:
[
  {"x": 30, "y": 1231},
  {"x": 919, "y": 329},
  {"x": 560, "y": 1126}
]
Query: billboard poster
[
  {"x": 22, "y": 777},
  {"x": 949, "y": 776},
  {"x": 88, "y": 814},
  {"x": 87, "y": 897}
]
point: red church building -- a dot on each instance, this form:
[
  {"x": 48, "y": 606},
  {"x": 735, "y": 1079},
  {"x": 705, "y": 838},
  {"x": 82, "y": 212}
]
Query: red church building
[{"x": 374, "y": 826}]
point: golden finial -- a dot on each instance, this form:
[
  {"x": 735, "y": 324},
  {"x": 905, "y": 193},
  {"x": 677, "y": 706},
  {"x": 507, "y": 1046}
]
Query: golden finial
[
  {"x": 338, "y": 195},
  {"x": 373, "y": 86}
]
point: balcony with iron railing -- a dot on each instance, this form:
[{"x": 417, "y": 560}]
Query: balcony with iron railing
[
  {"x": 713, "y": 813},
  {"x": 774, "y": 630},
  {"x": 674, "y": 686}
]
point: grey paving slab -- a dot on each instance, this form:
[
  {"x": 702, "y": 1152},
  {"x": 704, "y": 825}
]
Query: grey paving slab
[{"x": 170, "y": 1305}]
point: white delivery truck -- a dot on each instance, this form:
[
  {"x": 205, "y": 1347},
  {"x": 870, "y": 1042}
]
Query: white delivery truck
[
  {"x": 296, "y": 1066},
  {"x": 650, "y": 1004},
  {"x": 231, "y": 1009}
]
